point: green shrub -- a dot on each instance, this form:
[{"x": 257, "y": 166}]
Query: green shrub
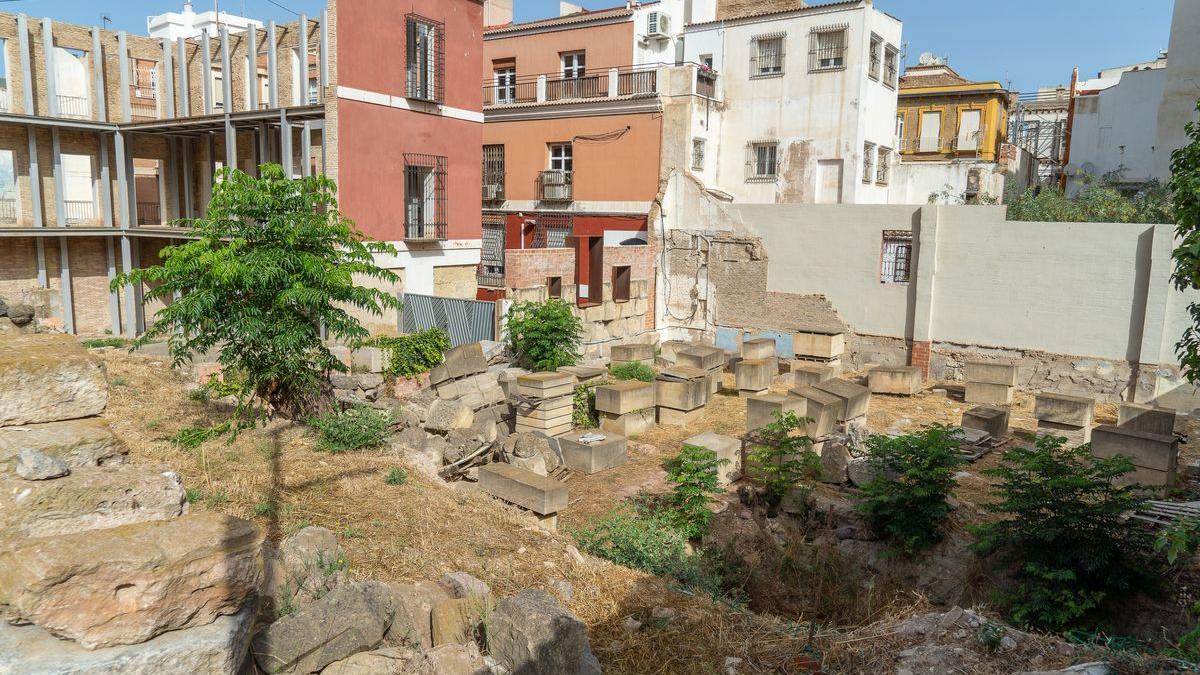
[
  {"x": 396, "y": 476},
  {"x": 351, "y": 429},
  {"x": 1180, "y": 538},
  {"x": 543, "y": 336},
  {"x": 1103, "y": 200},
  {"x": 694, "y": 473},
  {"x": 106, "y": 342},
  {"x": 783, "y": 458},
  {"x": 412, "y": 355},
  {"x": 907, "y": 499},
  {"x": 632, "y": 370},
  {"x": 639, "y": 539},
  {"x": 190, "y": 438},
  {"x": 1063, "y": 526},
  {"x": 584, "y": 414}
]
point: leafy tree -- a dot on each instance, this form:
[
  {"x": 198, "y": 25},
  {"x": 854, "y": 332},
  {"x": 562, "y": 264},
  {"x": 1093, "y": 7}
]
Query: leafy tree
[
  {"x": 783, "y": 457},
  {"x": 1185, "y": 191},
  {"x": 273, "y": 260},
  {"x": 544, "y": 335},
  {"x": 694, "y": 473},
  {"x": 1063, "y": 527},
  {"x": 907, "y": 501}
]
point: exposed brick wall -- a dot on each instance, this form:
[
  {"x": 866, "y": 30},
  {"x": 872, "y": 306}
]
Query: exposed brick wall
[
  {"x": 919, "y": 356},
  {"x": 527, "y": 268}
]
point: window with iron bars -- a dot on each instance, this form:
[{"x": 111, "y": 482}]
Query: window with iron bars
[
  {"x": 883, "y": 173},
  {"x": 868, "y": 162},
  {"x": 491, "y": 259},
  {"x": 891, "y": 66},
  {"x": 896, "y": 265},
  {"x": 550, "y": 230},
  {"x": 876, "y": 57},
  {"x": 424, "y": 197},
  {"x": 697, "y": 154},
  {"x": 766, "y": 56},
  {"x": 761, "y": 162},
  {"x": 827, "y": 49},
  {"x": 493, "y": 173},
  {"x": 426, "y": 58}
]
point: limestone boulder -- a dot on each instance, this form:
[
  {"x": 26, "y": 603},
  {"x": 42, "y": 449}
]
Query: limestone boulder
[
  {"x": 387, "y": 661},
  {"x": 530, "y": 633},
  {"x": 414, "y": 609},
  {"x": 217, "y": 648},
  {"x": 446, "y": 416},
  {"x": 48, "y": 378},
  {"x": 835, "y": 458},
  {"x": 463, "y": 585},
  {"x": 452, "y": 660},
  {"x": 352, "y": 618},
  {"x": 307, "y": 566},
  {"x": 127, "y": 584},
  {"x": 84, "y": 442},
  {"x": 21, "y": 314},
  {"x": 90, "y": 498}
]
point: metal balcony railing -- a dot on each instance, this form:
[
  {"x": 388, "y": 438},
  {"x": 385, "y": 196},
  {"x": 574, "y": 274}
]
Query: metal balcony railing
[
  {"x": 425, "y": 232},
  {"x": 490, "y": 271},
  {"x": 945, "y": 145},
  {"x": 555, "y": 186},
  {"x": 143, "y": 103},
  {"x": 493, "y": 191},
  {"x": 628, "y": 81},
  {"x": 77, "y": 211},
  {"x": 149, "y": 213},
  {"x": 76, "y": 107},
  {"x": 8, "y": 209}
]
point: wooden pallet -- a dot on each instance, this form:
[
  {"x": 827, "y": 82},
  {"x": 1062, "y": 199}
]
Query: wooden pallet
[
  {"x": 973, "y": 453},
  {"x": 1162, "y": 514},
  {"x": 560, "y": 473}
]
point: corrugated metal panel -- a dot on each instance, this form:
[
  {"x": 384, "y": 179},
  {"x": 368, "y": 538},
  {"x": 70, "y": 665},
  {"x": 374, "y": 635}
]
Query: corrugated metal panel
[{"x": 465, "y": 321}]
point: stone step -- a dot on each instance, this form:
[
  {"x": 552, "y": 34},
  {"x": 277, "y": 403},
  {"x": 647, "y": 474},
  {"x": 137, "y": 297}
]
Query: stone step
[
  {"x": 90, "y": 498},
  {"x": 76, "y": 443},
  {"x": 48, "y": 378}
]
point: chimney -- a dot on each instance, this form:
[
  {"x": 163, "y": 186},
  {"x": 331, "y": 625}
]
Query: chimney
[{"x": 497, "y": 12}]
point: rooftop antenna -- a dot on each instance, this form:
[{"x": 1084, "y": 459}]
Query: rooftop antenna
[{"x": 106, "y": 20}]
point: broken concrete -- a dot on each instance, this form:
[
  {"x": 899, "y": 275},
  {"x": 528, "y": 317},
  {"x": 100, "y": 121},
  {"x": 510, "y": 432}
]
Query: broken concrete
[{"x": 681, "y": 388}]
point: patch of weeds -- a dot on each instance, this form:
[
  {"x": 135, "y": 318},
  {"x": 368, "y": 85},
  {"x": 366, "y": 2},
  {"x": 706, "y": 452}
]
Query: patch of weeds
[
  {"x": 584, "y": 414},
  {"x": 268, "y": 449},
  {"x": 216, "y": 499},
  {"x": 263, "y": 509},
  {"x": 353, "y": 429},
  {"x": 190, "y": 438},
  {"x": 332, "y": 566},
  {"x": 119, "y": 382},
  {"x": 989, "y": 637},
  {"x": 154, "y": 423},
  {"x": 375, "y": 522},
  {"x": 193, "y": 495},
  {"x": 632, "y": 370},
  {"x": 351, "y": 533},
  {"x": 287, "y": 603},
  {"x": 200, "y": 395},
  {"x": 396, "y": 476},
  {"x": 97, "y": 343}
]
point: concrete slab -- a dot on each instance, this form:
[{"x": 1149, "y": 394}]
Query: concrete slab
[
  {"x": 1150, "y": 419},
  {"x": 755, "y": 374},
  {"x": 681, "y": 394},
  {"x": 523, "y": 487},
  {"x": 989, "y": 419},
  {"x": 585, "y": 374},
  {"x": 760, "y": 348},
  {"x": 1075, "y": 435},
  {"x": 1151, "y": 451},
  {"x": 990, "y": 372},
  {"x": 627, "y": 353},
  {"x": 808, "y": 373},
  {"x": 596, "y": 456},
  {"x": 724, "y": 447},
  {"x": 670, "y": 417},
  {"x": 702, "y": 357},
  {"x": 988, "y": 394},
  {"x": 1064, "y": 409},
  {"x": 465, "y": 360},
  {"x": 762, "y": 410},
  {"x": 629, "y": 424},
  {"x": 623, "y": 397},
  {"x": 857, "y": 398},
  {"x": 819, "y": 345},
  {"x": 896, "y": 380}
]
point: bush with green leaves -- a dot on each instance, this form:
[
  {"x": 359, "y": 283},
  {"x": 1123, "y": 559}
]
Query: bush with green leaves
[
  {"x": 694, "y": 473},
  {"x": 271, "y": 262},
  {"x": 632, "y": 370},
  {"x": 907, "y": 500},
  {"x": 357, "y": 428},
  {"x": 780, "y": 457},
  {"x": 639, "y": 538},
  {"x": 1185, "y": 191},
  {"x": 1063, "y": 527},
  {"x": 1100, "y": 200},
  {"x": 543, "y": 336},
  {"x": 412, "y": 355},
  {"x": 584, "y": 414}
]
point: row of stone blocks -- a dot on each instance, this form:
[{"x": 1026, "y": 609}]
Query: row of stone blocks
[{"x": 825, "y": 404}]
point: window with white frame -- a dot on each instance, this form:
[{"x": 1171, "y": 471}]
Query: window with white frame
[
  {"x": 900, "y": 128},
  {"x": 883, "y": 170},
  {"x": 875, "y": 57},
  {"x": 827, "y": 48},
  {"x": 425, "y": 51},
  {"x": 891, "y": 66},
  {"x": 574, "y": 65},
  {"x": 762, "y": 161},
  {"x": 218, "y": 89},
  {"x": 868, "y": 162},
  {"x": 766, "y": 55},
  {"x": 8, "y": 188},
  {"x": 562, "y": 157},
  {"x": 506, "y": 84},
  {"x": 697, "y": 154},
  {"x": 896, "y": 261}
]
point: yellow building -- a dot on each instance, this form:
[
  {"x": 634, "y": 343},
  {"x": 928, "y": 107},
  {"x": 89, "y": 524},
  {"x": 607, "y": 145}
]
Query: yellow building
[{"x": 942, "y": 116}]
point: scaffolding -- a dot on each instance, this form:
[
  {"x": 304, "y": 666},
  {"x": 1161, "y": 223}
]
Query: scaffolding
[{"x": 1038, "y": 125}]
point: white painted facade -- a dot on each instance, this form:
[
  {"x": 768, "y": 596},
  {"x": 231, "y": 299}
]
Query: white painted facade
[
  {"x": 1178, "y": 105},
  {"x": 665, "y": 44},
  {"x": 819, "y": 120},
  {"x": 1115, "y": 129},
  {"x": 190, "y": 23}
]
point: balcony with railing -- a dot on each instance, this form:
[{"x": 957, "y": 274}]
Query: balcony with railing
[
  {"x": 8, "y": 209},
  {"x": 75, "y": 107},
  {"x": 943, "y": 147},
  {"x": 556, "y": 186},
  {"x": 143, "y": 103},
  {"x": 624, "y": 82},
  {"x": 79, "y": 211}
]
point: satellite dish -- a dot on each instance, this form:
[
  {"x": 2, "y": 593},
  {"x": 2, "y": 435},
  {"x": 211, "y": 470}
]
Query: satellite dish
[{"x": 928, "y": 59}]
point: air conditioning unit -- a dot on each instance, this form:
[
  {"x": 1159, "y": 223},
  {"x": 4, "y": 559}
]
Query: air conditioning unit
[
  {"x": 491, "y": 192},
  {"x": 658, "y": 25}
]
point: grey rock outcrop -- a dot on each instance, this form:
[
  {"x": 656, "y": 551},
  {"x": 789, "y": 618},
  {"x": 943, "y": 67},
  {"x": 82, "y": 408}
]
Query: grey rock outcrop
[{"x": 530, "y": 633}]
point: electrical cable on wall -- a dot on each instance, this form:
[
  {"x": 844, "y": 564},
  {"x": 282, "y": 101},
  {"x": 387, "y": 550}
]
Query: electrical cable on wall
[{"x": 606, "y": 137}]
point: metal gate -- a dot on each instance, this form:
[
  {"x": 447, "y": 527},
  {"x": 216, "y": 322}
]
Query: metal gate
[{"x": 465, "y": 321}]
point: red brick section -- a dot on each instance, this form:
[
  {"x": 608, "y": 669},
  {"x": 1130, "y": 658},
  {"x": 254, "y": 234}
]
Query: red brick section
[
  {"x": 919, "y": 357},
  {"x": 526, "y": 268}
]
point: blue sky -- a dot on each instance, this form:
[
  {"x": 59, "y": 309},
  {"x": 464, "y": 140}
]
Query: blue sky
[{"x": 1027, "y": 42}]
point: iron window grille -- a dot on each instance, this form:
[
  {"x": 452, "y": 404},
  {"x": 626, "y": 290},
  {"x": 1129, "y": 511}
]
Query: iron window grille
[
  {"x": 550, "y": 230},
  {"x": 493, "y": 173},
  {"x": 868, "y": 162},
  {"x": 827, "y": 48},
  {"x": 426, "y": 58},
  {"x": 884, "y": 171},
  {"x": 766, "y": 56},
  {"x": 762, "y": 162},
  {"x": 491, "y": 259},
  {"x": 424, "y": 197},
  {"x": 891, "y": 66},
  {"x": 896, "y": 266},
  {"x": 876, "y": 56},
  {"x": 697, "y": 154}
]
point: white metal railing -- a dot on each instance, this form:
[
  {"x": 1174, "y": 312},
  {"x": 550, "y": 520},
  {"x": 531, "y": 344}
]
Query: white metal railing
[
  {"x": 8, "y": 209},
  {"x": 79, "y": 211},
  {"x": 73, "y": 106}
]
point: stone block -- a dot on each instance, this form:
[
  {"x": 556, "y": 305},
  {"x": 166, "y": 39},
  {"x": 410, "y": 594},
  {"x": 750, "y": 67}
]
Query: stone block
[
  {"x": 758, "y": 348},
  {"x": 1151, "y": 451},
  {"x": 1151, "y": 478},
  {"x": 547, "y": 408},
  {"x": 988, "y": 394},
  {"x": 127, "y": 584},
  {"x": 636, "y": 352},
  {"x": 761, "y": 410},
  {"x": 897, "y": 380},
  {"x": 545, "y": 385},
  {"x": 755, "y": 374},
  {"x": 371, "y": 359},
  {"x": 715, "y": 379},
  {"x": 819, "y": 345},
  {"x": 701, "y": 356},
  {"x": 48, "y": 378},
  {"x": 1135, "y": 416},
  {"x": 585, "y": 374},
  {"x": 84, "y": 442},
  {"x": 989, "y": 419},
  {"x": 524, "y": 488},
  {"x": 808, "y": 373},
  {"x": 630, "y": 423},
  {"x": 446, "y": 416},
  {"x": 593, "y": 457},
  {"x": 91, "y": 498},
  {"x": 681, "y": 388},
  {"x": 856, "y": 398},
  {"x": 1075, "y": 435},
  {"x": 344, "y": 354},
  {"x": 1076, "y": 411},
  {"x": 990, "y": 372},
  {"x": 724, "y": 447},
  {"x": 624, "y": 397},
  {"x": 668, "y": 349},
  {"x": 508, "y": 379},
  {"x": 465, "y": 360},
  {"x": 218, "y": 648},
  {"x": 822, "y": 408},
  {"x": 670, "y": 417},
  {"x": 531, "y": 634}
]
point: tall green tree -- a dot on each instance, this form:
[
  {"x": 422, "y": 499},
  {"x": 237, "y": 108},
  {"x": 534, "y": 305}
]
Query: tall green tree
[
  {"x": 272, "y": 261},
  {"x": 1185, "y": 196}
]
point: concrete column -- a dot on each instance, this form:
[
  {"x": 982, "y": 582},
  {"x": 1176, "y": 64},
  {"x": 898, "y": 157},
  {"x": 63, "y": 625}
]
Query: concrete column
[
  {"x": 35, "y": 178},
  {"x": 185, "y": 104},
  {"x": 263, "y": 150},
  {"x": 187, "y": 179},
  {"x": 131, "y": 204},
  {"x": 98, "y": 76},
  {"x": 285, "y": 142},
  {"x": 114, "y": 298},
  {"x": 272, "y": 62},
  {"x": 302, "y": 90},
  {"x": 226, "y": 72},
  {"x": 105, "y": 182},
  {"x": 68, "y": 300},
  {"x": 614, "y": 82},
  {"x": 921, "y": 295},
  {"x": 60, "y": 211},
  {"x": 306, "y": 150},
  {"x": 130, "y": 296},
  {"x": 172, "y": 180},
  {"x": 252, "y": 68},
  {"x": 51, "y": 75},
  {"x": 26, "y": 63},
  {"x": 206, "y": 71},
  {"x": 168, "y": 68},
  {"x": 123, "y": 60},
  {"x": 541, "y": 89},
  {"x": 1157, "y": 345},
  {"x": 139, "y": 312},
  {"x": 122, "y": 179},
  {"x": 323, "y": 56}
]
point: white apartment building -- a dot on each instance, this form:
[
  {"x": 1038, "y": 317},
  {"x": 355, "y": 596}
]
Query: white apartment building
[
  {"x": 804, "y": 103},
  {"x": 190, "y": 23}
]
